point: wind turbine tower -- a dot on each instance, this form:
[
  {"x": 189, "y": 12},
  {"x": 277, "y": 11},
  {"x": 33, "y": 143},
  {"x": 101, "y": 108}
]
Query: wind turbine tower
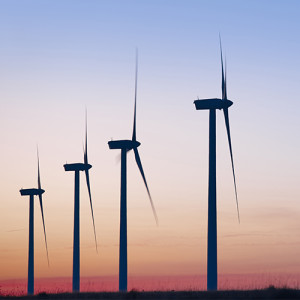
[
  {"x": 31, "y": 193},
  {"x": 125, "y": 146},
  {"x": 77, "y": 167},
  {"x": 212, "y": 105}
]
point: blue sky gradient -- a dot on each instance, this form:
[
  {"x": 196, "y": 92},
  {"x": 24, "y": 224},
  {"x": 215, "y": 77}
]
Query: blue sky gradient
[{"x": 58, "y": 57}]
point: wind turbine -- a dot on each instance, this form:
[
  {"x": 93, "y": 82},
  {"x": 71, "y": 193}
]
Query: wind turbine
[
  {"x": 31, "y": 193},
  {"x": 212, "y": 105},
  {"x": 125, "y": 146},
  {"x": 77, "y": 167}
]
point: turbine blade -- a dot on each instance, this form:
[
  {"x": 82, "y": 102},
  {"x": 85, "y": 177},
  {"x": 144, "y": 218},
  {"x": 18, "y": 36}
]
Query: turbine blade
[
  {"x": 224, "y": 94},
  {"x": 118, "y": 157},
  {"x": 138, "y": 161},
  {"x": 85, "y": 148},
  {"x": 231, "y": 155},
  {"x": 42, "y": 212},
  {"x": 91, "y": 204},
  {"x": 135, "y": 95},
  {"x": 88, "y": 181},
  {"x": 41, "y": 205},
  {"x": 225, "y": 80},
  {"x": 39, "y": 178}
]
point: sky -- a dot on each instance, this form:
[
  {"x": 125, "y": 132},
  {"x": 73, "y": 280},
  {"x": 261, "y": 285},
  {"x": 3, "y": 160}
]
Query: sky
[{"x": 58, "y": 58}]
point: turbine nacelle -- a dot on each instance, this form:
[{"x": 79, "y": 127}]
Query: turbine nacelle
[
  {"x": 212, "y": 103},
  {"x": 33, "y": 191},
  {"x": 123, "y": 144},
  {"x": 77, "y": 167}
]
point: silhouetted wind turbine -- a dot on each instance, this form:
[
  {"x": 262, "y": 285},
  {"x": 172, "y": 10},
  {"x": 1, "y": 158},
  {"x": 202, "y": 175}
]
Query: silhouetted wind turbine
[
  {"x": 212, "y": 105},
  {"x": 125, "y": 146},
  {"x": 31, "y": 193},
  {"x": 77, "y": 167}
]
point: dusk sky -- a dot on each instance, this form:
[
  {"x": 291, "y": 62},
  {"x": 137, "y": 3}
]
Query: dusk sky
[{"x": 59, "y": 57}]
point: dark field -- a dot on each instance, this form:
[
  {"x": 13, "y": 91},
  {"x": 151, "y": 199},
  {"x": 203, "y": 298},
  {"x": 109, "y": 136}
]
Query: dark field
[{"x": 269, "y": 293}]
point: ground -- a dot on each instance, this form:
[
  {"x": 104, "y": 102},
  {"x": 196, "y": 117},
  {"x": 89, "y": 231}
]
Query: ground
[{"x": 269, "y": 293}]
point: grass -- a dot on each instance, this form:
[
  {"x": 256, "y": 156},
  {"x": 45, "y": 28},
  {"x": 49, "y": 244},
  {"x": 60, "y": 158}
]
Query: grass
[{"x": 268, "y": 293}]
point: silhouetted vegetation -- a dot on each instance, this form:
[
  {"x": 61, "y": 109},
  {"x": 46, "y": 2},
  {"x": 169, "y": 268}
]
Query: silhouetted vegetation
[{"x": 269, "y": 293}]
